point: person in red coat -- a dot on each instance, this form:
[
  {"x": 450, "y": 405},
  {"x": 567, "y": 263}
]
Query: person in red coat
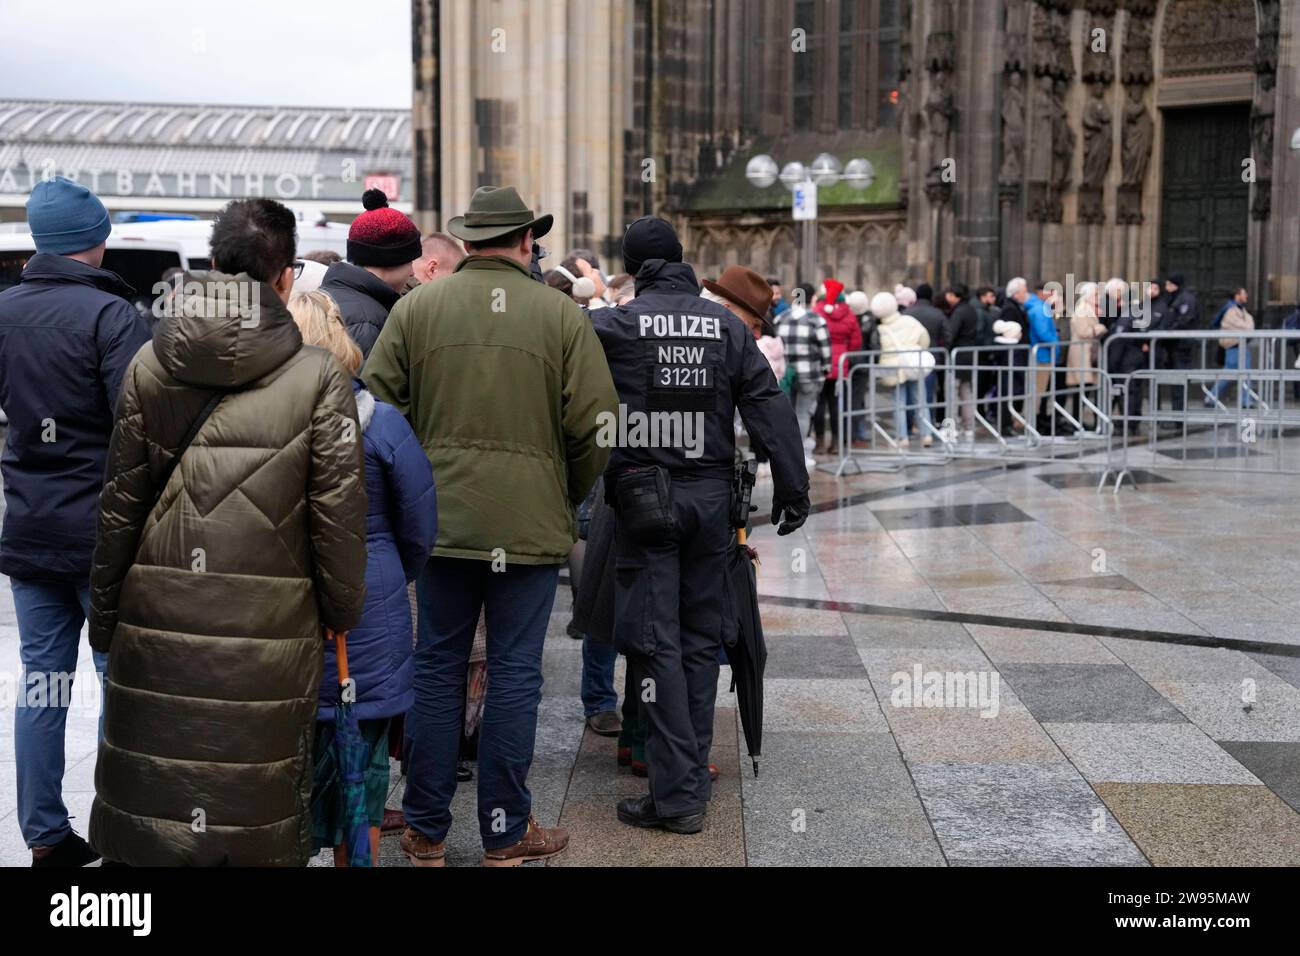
[{"x": 846, "y": 336}]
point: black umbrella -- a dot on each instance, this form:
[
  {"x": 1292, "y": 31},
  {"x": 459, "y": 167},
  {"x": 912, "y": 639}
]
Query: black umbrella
[{"x": 748, "y": 656}]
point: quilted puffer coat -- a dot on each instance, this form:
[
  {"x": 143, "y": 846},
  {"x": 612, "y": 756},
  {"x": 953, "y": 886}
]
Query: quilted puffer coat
[
  {"x": 401, "y": 525},
  {"x": 211, "y": 601}
]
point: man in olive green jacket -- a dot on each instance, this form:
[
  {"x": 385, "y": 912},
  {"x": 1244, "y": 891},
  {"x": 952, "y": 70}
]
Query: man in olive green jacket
[{"x": 504, "y": 382}]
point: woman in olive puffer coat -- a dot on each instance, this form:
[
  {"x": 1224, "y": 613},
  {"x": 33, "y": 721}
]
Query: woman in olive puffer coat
[{"x": 211, "y": 601}]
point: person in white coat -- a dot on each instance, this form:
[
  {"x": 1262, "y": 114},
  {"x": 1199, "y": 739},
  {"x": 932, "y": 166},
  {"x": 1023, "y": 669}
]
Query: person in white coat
[{"x": 903, "y": 345}]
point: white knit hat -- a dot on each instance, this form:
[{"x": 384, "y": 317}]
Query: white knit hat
[
  {"x": 883, "y": 304},
  {"x": 859, "y": 303}
]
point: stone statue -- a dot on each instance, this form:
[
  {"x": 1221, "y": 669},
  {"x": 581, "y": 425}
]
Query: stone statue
[
  {"x": 1063, "y": 138},
  {"x": 1139, "y": 134},
  {"x": 1135, "y": 60},
  {"x": 1013, "y": 128},
  {"x": 1098, "y": 136},
  {"x": 939, "y": 112}
]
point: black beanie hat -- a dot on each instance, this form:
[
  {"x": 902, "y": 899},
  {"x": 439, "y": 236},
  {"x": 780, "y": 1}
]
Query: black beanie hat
[
  {"x": 925, "y": 292},
  {"x": 650, "y": 238},
  {"x": 1176, "y": 278},
  {"x": 381, "y": 236}
]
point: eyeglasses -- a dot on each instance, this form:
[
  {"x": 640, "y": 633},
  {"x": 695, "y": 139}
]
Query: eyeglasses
[{"x": 298, "y": 266}]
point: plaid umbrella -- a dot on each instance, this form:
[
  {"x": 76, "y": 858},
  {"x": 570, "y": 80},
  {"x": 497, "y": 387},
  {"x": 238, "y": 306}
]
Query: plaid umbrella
[
  {"x": 351, "y": 755},
  {"x": 748, "y": 657}
]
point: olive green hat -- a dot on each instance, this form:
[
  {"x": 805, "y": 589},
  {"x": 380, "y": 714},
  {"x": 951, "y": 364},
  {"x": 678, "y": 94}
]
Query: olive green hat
[{"x": 495, "y": 211}]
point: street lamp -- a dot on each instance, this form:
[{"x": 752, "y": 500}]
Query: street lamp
[
  {"x": 826, "y": 170},
  {"x": 792, "y": 175},
  {"x": 803, "y": 181},
  {"x": 761, "y": 171}
]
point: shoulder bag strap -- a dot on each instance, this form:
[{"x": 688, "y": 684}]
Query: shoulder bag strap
[{"x": 186, "y": 441}]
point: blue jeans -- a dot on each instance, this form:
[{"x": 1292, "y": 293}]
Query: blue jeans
[
  {"x": 598, "y": 694},
  {"x": 50, "y": 616},
  {"x": 1230, "y": 363},
  {"x": 517, "y": 602},
  {"x": 909, "y": 394}
]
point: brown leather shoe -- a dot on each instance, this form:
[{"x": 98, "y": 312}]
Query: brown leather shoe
[
  {"x": 394, "y": 821},
  {"x": 538, "y": 843},
  {"x": 605, "y": 724},
  {"x": 422, "y": 851}
]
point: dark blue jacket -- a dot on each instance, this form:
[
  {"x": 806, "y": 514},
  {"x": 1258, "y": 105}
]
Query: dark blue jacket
[
  {"x": 66, "y": 338},
  {"x": 670, "y": 351},
  {"x": 401, "y": 527},
  {"x": 363, "y": 300}
]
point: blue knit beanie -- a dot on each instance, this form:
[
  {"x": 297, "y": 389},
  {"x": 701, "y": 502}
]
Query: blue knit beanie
[{"x": 66, "y": 217}]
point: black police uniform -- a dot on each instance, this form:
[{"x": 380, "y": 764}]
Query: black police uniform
[
  {"x": 672, "y": 352},
  {"x": 1181, "y": 312}
]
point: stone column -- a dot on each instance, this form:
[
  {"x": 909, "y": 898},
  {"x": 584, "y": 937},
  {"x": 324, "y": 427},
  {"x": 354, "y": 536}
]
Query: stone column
[
  {"x": 426, "y": 123},
  {"x": 1283, "y": 228},
  {"x": 1137, "y": 134}
]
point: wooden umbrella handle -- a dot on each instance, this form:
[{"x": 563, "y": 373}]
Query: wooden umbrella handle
[{"x": 340, "y": 639}]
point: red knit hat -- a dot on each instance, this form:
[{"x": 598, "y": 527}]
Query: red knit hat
[
  {"x": 833, "y": 290},
  {"x": 381, "y": 236}
]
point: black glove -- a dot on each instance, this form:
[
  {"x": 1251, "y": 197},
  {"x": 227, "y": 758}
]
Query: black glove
[{"x": 796, "y": 512}]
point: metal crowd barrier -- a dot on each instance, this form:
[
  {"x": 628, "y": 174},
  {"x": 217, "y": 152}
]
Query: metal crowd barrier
[
  {"x": 1029, "y": 410},
  {"x": 1171, "y": 413}
]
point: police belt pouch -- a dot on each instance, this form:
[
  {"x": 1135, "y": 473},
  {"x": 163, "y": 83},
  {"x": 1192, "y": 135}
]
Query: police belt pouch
[{"x": 645, "y": 506}]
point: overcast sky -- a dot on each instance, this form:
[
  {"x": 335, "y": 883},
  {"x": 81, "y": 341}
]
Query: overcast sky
[{"x": 273, "y": 52}]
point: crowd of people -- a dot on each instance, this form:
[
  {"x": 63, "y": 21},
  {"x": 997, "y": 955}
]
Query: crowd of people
[
  {"x": 951, "y": 351},
  {"x": 396, "y": 450},
  {"x": 399, "y": 449}
]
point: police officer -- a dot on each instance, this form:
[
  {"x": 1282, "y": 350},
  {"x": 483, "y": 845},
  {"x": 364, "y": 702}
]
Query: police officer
[
  {"x": 682, "y": 366},
  {"x": 1181, "y": 311}
]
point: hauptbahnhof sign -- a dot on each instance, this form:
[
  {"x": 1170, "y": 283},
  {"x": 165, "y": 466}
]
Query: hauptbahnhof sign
[{"x": 170, "y": 156}]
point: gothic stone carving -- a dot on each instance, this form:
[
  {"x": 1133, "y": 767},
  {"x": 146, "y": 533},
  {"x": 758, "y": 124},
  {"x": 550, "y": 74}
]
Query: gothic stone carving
[
  {"x": 1135, "y": 57},
  {"x": 939, "y": 111},
  {"x": 1209, "y": 36},
  {"x": 940, "y": 105},
  {"x": 1098, "y": 137},
  {"x": 1139, "y": 134},
  {"x": 1263, "y": 108},
  {"x": 1261, "y": 141},
  {"x": 1135, "y": 155},
  {"x": 1098, "y": 119},
  {"x": 1013, "y": 128},
  {"x": 1098, "y": 61}
]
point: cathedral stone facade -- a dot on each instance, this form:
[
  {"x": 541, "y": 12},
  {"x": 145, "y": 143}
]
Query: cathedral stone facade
[{"x": 1045, "y": 138}]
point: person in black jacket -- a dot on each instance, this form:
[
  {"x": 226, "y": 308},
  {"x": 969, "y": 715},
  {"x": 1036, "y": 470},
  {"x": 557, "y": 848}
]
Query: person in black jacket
[
  {"x": 961, "y": 330},
  {"x": 67, "y": 335},
  {"x": 935, "y": 322},
  {"x": 1123, "y": 355},
  {"x": 1181, "y": 313},
  {"x": 383, "y": 244},
  {"x": 683, "y": 366}
]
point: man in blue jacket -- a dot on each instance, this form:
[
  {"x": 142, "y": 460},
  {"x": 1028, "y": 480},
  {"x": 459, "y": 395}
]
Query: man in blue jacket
[
  {"x": 1042, "y": 332},
  {"x": 67, "y": 335}
]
